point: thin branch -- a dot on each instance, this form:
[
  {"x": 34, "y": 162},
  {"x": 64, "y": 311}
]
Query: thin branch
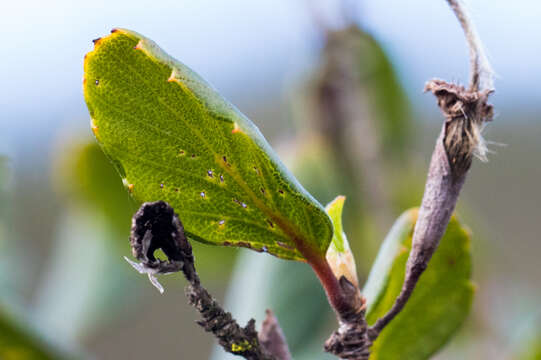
[
  {"x": 156, "y": 226},
  {"x": 466, "y": 112},
  {"x": 481, "y": 73}
]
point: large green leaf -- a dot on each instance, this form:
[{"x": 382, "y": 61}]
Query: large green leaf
[
  {"x": 440, "y": 302},
  {"x": 173, "y": 137}
]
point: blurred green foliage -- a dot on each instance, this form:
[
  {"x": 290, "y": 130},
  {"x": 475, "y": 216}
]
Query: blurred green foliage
[
  {"x": 3, "y": 197},
  {"x": 355, "y": 133},
  {"x": 85, "y": 176},
  {"x": 440, "y": 302},
  {"x": 533, "y": 353},
  {"x": 20, "y": 340},
  {"x": 528, "y": 343},
  {"x": 354, "y": 53}
]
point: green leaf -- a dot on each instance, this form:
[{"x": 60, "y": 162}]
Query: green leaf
[
  {"x": 339, "y": 255},
  {"x": 440, "y": 302},
  {"x": 339, "y": 241},
  {"x": 173, "y": 137}
]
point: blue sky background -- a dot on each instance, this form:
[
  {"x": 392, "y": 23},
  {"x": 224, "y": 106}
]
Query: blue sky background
[{"x": 248, "y": 49}]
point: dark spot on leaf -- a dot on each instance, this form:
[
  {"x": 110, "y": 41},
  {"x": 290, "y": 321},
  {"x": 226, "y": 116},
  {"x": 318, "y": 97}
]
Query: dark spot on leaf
[
  {"x": 271, "y": 224},
  {"x": 240, "y": 203},
  {"x": 176, "y": 190},
  {"x": 281, "y": 191},
  {"x": 225, "y": 159},
  {"x": 262, "y": 191},
  {"x": 226, "y": 243},
  {"x": 193, "y": 156},
  {"x": 96, "y": 40},
  {"x": 284, "y": 245},
  {"x": 244, "y": 244},
  {"x": 114, "y": 31},
  {"x": 181, "y": 152}
]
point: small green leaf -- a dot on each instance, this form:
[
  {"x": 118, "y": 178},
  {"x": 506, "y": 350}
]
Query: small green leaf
[
  {"x": 173, "y": 137},
  {"x": 334, "y": 209},
  {"x": 440, "y": 302},
  {"x": 339, "y": 255}
]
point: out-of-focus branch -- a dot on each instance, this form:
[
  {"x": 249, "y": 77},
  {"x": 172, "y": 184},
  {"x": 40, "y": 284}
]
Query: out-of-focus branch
[
  {"x": 466, "y": 112},
  {"x": 156, "y": 226},
  {"x": 272, "y": 339},
  {"x": 343, "y": 109}
]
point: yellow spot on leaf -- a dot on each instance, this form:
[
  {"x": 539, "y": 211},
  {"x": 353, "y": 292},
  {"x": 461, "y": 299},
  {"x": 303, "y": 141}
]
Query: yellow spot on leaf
[
  {"x": 236, "y": 129},
  {"x": 94, "y": 127}
]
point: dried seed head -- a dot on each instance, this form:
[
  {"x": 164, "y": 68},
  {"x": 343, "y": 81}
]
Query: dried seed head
[
  {"x": 156, "y": 226},
  {"x": 466, "y": 113}
]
